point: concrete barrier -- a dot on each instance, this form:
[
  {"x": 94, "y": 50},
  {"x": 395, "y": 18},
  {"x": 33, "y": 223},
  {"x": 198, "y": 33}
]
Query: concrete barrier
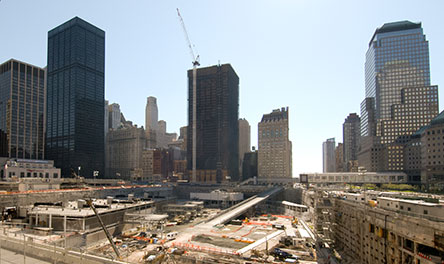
[{"x": 51, "y": 253}]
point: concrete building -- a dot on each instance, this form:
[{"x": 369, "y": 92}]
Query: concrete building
[
  {"x": 275, "y": 150},
  {"x": 424, "y": 155},
  {"x": 164, "y": 138},
  {"x": 217, "y": 139},
  {"x": 80, "y": 220},
  {"x": 75, "y": 97},
  {"x": 398, "y": 79},
  {"x": 22, "y": 110},
  {"x": 328, "y": 155},
  {"x": 339, "y": 157},
  {"x": 124, "y": 151},
  {"x": 354, "y": 178},
  {"x": 388, "y": 230},
  {"x": 15, "y": 169},
  {"x": 432, "y": 153},
  {"x": 244, "y": 141},
  {"x": 151, "y": 114},
  {"x": 183, "y": 136},
  {"x": 147, "y": 166},
  {"x": 114, "y": 116},
  {"x": 218, "y": 198},
  {"x": 351, "y": 134},
  {"x": 157, "y": 165}
]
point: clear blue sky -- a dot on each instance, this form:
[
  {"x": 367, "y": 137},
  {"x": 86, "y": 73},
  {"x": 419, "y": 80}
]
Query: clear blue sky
[{"x": 308, "y": 55}]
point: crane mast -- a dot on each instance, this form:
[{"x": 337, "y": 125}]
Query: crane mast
[{"x": 195, "y": 62}]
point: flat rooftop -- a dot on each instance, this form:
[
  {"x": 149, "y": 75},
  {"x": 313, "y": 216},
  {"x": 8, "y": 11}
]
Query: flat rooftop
[{"x": 85, "y": 211}]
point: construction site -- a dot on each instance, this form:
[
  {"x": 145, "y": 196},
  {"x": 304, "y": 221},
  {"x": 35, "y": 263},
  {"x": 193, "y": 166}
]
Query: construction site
[
  {"x": 151, "y": 224},
  {"x": 285, "y": 222}
]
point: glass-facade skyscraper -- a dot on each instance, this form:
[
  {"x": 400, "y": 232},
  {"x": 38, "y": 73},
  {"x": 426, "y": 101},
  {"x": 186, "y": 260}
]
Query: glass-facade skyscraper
[
  {"x": 217, "y": 104},
  {"x": 399, "y": 98},
  {"x": 22, "y": 110},
  {"x": 397, "y": 57},
  {"x": 75, "y": 98}
]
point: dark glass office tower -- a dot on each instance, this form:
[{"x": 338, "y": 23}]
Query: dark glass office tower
[
  {"x": 217, "y": 123},
  {"x": 75, "y": 98},
  {"x": 22, "y": 110},
  {"x": 350, "y": 136}
]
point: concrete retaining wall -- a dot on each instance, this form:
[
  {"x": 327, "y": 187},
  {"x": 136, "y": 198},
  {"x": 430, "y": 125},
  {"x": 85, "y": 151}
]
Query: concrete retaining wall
[{"x": 51, "y": 253}]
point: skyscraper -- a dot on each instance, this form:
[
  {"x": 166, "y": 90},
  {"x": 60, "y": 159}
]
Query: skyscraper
[
  {"x": 114, "y": 116},
  {"x": 328, "y": 155},
  {"x": 217, "y": 123},
  {"x": 351, "y": 135},
  {"x": 397, "y": 81},
  {"x": 244, "y": 140},
  {"x": 398, "y": 56},
  {"x": 151, "y": 113},
  {"x": 339, "y": 157},
  {"x": 275, "y": 149},
  {"x": 75, "y": 97},
  {"x": 151, "y": 121},
  {"x": 22, "y": 110}
]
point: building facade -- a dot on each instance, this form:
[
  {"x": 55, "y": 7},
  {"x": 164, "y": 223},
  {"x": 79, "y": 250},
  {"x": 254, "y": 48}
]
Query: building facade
[
  {"x": 328, "y": 155},
  {"x": 75, "y": 97},
  {"x": 397, "y": 80},
  {"x": 151, "y": 120},
  {"x": 164, "y": 138},
  {"x": 114, "y": 116},
  {"x": 244, "y": 141},
  {"x": 217, "y": 114},
  {"x": 339, "y": 158},
  {"x": 124, "y": 151},
  {"x": 249, "y": 165},
  {"x": 15, "y": 169},
  {"x": 432, "y": 153},
  {"x": 351, "y": 134},
  {"x": 22, "y": 110},
  {"x": 275, "y": 150}
]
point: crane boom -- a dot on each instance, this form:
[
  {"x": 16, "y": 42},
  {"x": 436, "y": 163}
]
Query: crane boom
[
  {"x": 195, "y": 62},
  {"x": 195, "y": 59}
]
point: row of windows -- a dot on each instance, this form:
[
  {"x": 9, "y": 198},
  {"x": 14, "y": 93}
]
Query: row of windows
[{"x": 33, "y": 175}]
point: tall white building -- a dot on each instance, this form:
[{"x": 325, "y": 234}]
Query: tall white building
[
  {"x": 151, "y": 114},
  {"x": 328, "y": 155},
  {"x": 151, "y": 121},
  {"x": 274, "y": 153}
]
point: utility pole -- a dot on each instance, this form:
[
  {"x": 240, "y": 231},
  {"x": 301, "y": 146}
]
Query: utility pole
[{"x": 195, "y": 62}]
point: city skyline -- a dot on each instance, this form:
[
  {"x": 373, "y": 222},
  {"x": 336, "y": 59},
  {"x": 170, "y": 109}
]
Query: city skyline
[{"x": 260, "y": 70}]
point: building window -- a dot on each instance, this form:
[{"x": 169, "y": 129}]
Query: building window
[{"x": 426, "y": 212}]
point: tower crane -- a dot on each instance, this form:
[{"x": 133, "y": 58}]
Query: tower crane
[{"x": 195, "y": 62}]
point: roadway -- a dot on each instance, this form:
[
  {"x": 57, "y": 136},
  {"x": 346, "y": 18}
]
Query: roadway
[{"x": 238, "y": 210}]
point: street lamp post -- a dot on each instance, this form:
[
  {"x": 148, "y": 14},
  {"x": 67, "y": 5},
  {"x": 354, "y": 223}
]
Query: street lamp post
[{"x": 78, "y": 171}]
